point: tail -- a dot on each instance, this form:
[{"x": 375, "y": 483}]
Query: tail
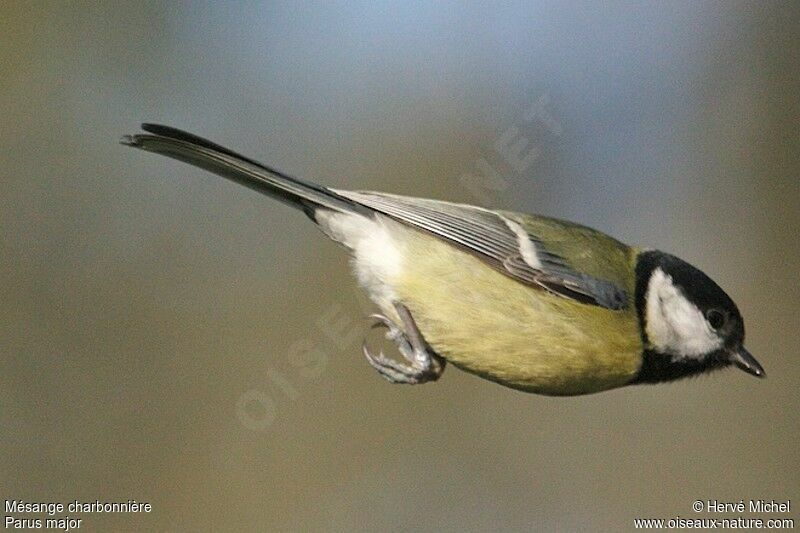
[{"x": 210, "y": 156}]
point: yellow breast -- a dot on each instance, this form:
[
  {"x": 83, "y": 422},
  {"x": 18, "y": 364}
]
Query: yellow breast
[{"x": 486, "y": 323}]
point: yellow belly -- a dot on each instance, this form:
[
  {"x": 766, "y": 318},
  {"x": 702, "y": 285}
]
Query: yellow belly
[{"x": 484, "y": 322}]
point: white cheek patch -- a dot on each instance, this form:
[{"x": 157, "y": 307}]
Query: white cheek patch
[
  {"x": 675, "y": 325},
  {"x": 377, "y": 254}
]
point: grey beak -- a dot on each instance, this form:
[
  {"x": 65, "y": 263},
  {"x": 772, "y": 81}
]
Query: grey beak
[{"x": 745, "y": 360}]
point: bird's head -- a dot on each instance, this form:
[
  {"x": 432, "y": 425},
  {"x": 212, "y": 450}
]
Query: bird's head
[{"x": 688, "y": 323}]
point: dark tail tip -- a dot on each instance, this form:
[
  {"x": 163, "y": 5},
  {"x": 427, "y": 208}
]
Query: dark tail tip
[{"x": 129, "y": 140}]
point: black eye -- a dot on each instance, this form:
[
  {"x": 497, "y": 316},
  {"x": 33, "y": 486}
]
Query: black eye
[{"x": 716, "y": 318}]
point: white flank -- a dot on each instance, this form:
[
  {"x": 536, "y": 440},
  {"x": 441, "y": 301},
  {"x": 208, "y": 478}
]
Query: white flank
[
  {"x": 377, "y": 255},
  {"x": 527, "y": 249},
  {"x": 675, "y": 325}
]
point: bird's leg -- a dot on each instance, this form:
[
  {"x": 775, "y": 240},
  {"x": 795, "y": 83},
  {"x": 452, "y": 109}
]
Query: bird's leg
[{"x": 424, "y": 365}]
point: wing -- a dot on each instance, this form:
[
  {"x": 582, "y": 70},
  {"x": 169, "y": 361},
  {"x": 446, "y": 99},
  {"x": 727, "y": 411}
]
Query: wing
[{"x": 501, "y": 241}]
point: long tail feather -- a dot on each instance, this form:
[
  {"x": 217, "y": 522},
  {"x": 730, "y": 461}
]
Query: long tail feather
[{"x": 210, "y": 156}]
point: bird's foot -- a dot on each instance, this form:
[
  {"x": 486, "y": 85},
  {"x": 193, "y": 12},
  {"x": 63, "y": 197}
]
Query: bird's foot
[{"x": 424, "y": 365}]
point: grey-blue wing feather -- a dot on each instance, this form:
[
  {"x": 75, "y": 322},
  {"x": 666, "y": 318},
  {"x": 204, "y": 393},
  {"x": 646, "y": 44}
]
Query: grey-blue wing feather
[{"x": 490, "y": 236}]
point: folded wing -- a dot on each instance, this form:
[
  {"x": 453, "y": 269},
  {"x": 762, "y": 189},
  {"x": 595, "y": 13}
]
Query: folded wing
[{"x": 500, "y": 241}]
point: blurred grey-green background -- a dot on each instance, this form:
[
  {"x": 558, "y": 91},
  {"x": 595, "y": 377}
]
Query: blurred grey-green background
[{"x": 170, "y": 337}]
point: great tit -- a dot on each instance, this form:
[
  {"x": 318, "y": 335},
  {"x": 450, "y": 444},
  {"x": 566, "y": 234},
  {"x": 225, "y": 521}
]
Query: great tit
[{"x": 531, "y": 302}]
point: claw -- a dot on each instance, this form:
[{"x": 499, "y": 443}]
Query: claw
[
  {"x": 424, "y": 365},
  {"x": 368, "y": 353},
  {"x": 394, "y": 334},
  {"x": 393, "y": 371},
  {"x": 380, "y": 321}
]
